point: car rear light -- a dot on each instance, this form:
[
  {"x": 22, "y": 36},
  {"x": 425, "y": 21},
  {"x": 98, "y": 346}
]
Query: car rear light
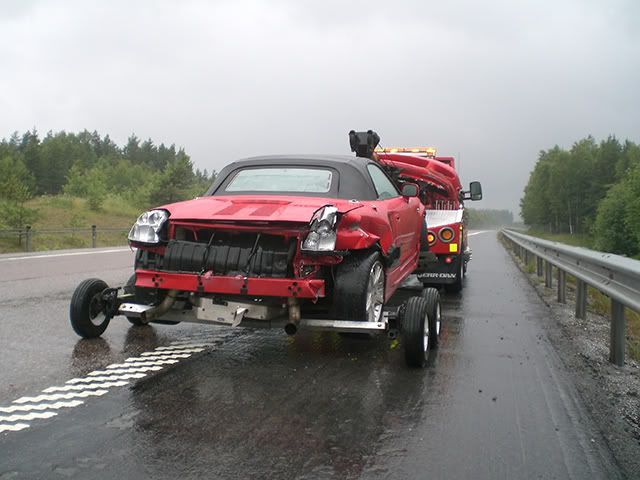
[
  {"x": 431, "y": 238},
  {"x": 448, "y": 259},
  {"x": 446, "y": 234}
]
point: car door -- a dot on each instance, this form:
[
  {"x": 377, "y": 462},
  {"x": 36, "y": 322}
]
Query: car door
[{"x": 403, "y": 213}]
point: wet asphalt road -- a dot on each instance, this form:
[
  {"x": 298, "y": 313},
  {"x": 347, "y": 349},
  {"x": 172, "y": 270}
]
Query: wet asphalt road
[{"x": 494, "y": 402}]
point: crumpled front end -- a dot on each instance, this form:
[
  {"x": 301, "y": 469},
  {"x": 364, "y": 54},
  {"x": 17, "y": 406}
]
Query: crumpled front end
[{"x": 229, "y": 259}]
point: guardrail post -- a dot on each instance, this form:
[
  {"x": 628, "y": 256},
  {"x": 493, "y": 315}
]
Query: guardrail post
[
  {"x": 562, "y": 286},
  {"x": 527, "y": 256},
  {"x": 581, "y": 299},
  {"x": 94, "y": 234},
  {"x": 618, "y": 333},
  {"x": 29, "y": 233},
  {"x": 539, "y": 266},
  {"x": 548, "y": 275}
]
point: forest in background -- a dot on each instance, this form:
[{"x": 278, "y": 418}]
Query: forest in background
[
  {"x": 89, "y": 166},
  {"x": 488, "y": 218},
  {"x": 590, "y": 189}
]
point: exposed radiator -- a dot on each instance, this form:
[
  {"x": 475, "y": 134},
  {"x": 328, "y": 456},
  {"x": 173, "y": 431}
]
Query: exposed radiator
[{"x": 243, "y": 254}]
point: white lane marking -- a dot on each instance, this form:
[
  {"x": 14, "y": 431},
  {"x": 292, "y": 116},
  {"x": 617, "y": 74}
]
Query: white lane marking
[
  {"x": 124, "y": 370},
  {"x": 109, "y": 378},
  {"x": 13, "y": 428},
  {"x": 60, "y": 396},
  {"x": 69, "y": 254},
  {"x": 27, "y": 416},
  {"x": 181, "y": 348},
  {"x": 176, "y": 352},
  {"x": 471, "y": 234},
  {"x": 141, "y": 364},
  {"x": 41, "y": 406},
  {"x": 68, "y": 388},
  {"x": 157, "y": 357}
]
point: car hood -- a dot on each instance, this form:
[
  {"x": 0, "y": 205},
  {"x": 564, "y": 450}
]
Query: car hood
[{"x": 254, "y": 208}]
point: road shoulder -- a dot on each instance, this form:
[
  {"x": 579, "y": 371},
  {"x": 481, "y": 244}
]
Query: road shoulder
[{"x": 610, "y": 394}]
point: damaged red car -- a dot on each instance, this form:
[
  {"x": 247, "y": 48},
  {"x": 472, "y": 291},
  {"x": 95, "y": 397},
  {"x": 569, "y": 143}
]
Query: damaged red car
[{"x": 317, "y": 242}]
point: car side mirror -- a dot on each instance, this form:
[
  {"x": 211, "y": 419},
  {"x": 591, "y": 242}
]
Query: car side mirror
[
  {"x": 475, "y": 188},
  {"x": 410, "y": 190}
]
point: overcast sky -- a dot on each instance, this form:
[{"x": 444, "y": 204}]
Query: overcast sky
[{"x": 492, "y": 82}]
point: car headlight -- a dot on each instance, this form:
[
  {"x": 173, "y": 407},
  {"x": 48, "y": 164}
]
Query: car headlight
[
  {"x": 147, "y": 227},
  {"x": 322, "y": 230}
]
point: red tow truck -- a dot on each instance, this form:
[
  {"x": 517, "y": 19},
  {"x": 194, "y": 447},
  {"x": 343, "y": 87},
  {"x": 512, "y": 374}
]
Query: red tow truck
[{"x": 445, "y": 263}]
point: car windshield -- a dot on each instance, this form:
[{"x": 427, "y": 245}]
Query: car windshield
[{"x": 281, "y": 179}]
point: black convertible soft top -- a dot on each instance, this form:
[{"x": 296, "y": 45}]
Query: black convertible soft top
[{"x": 351, "y": 182}]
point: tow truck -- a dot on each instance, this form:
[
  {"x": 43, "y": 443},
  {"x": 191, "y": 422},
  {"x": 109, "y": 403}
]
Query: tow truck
[{"x": 445, "y": 262}]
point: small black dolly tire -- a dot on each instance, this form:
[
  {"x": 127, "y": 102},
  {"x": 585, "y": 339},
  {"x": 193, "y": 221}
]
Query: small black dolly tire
[
  {"x": 456, "y": 287},
  {"x": 130, "y": 287},
  {"x": 434, "y": 309},
  {"x": 87, "y": 310},
  {"x": 415, "y": 332}
]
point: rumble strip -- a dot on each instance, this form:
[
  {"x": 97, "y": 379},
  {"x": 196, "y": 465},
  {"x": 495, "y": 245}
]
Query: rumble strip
[{"x": 19, "y": 415}]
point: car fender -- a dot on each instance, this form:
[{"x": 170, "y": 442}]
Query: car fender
[{"x": 357, "y": 231}]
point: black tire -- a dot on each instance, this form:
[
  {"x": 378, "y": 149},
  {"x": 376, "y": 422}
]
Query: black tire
[
  {"x": 434, "y": 311},
  {"x": 352, "y": 284},
  {"x": 86, "y": 312},
  {"x": 415, "y": 332},
  {"x": 130, "y": 287},
  {"x": 456, "y": 286}
]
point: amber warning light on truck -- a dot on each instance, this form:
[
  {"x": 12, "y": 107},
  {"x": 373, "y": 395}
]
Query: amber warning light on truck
[{"x": 426, "y": 151}]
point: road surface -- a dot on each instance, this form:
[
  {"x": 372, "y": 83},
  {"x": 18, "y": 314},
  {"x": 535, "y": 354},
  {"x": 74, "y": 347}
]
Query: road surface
[{"x": 197, "y": 401}]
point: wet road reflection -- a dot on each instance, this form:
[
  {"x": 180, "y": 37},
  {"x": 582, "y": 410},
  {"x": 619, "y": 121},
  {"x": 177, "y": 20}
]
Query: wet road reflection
[
  {"x": 493, "y": 403},
  {"x": 266, "y": 406}
]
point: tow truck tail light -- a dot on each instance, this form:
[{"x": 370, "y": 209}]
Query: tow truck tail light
[
  {"x": 431, "y": 238},
  {"x": 446, "y": 234},
  {"x": 448, "y": 259}
]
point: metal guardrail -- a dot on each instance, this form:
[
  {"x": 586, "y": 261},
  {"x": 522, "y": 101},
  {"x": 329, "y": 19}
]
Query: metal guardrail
[
  {"x": 616, "y": 276},
  {"x": 27, "y": 234}
]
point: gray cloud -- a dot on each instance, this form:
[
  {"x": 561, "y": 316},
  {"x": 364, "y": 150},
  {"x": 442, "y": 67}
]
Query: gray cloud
[{"x": 492, "y": 81}]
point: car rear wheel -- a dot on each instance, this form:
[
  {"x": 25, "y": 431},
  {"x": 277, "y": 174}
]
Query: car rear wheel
[
  {"x": 358, "y": 292},
  {"x": 416, "y": 335},
  {"x": 88, "y": 309}
]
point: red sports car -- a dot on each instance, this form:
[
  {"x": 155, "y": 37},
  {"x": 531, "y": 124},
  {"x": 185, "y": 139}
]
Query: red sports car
[{"x": 297, "y": 241}]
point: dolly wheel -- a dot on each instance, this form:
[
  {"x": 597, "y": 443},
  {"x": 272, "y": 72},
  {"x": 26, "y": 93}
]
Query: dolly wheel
[
  {"x": 432, "y": 296},
  {"x": 87, "y": 310},
  {"x": 415, "y": 332}
]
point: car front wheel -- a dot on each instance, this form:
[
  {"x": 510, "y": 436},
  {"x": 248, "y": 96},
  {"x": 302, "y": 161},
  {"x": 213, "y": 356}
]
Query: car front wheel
[{"x": 358, "y": 292}]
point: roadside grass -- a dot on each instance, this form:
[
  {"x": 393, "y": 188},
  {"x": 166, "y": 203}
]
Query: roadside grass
[
  {"x": 63, "y": 212},
  {"x": 576, "y": 240},
  {"x": 601, "y": 304}
]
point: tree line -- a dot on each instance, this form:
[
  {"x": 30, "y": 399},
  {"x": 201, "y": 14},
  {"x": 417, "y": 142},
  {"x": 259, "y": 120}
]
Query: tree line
[
  {"x": 592, "y": 188},
  {"x": 488, "y": 218},
  {"x": 92, "y": 166}
]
